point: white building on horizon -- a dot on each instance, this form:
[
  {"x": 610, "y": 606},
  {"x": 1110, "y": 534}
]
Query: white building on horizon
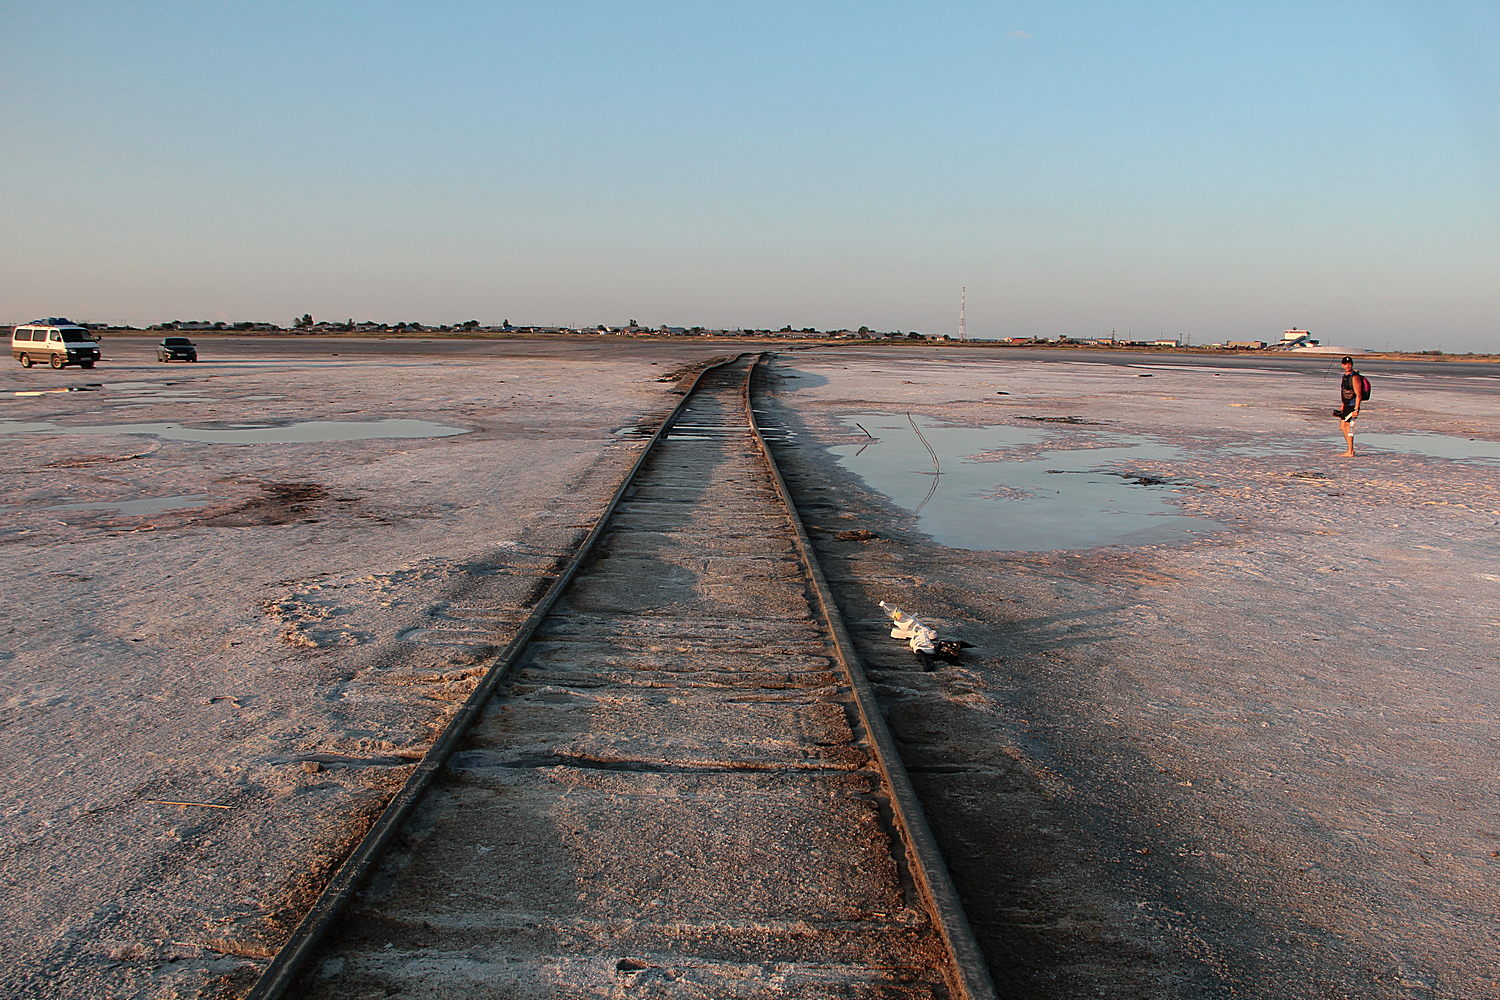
[{"x": 1295, "y": 339}]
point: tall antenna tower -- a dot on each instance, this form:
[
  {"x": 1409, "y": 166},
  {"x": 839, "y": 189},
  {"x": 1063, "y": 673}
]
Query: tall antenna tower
[{"x": 963, "y": 303}]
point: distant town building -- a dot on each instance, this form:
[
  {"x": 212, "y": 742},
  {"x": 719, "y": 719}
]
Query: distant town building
[{"x": 1295, "y": 338}]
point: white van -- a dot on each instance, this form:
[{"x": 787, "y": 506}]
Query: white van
[{"x": 55, "y": 341}]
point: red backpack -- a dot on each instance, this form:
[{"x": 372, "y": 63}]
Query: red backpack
[{"x": 1363, "y": 385}]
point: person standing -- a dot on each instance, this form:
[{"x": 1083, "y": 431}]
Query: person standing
[{"x": 1348, "y": 411}]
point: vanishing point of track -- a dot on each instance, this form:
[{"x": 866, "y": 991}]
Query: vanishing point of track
[{"x": 674, "y": 781}]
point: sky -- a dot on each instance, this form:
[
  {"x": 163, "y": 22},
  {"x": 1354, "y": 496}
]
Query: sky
[{"x": 1180, "y": 169}]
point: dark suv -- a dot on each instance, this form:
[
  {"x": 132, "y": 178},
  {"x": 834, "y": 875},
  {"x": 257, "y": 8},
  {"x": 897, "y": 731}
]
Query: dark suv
[{"x": 177, "y": 349}]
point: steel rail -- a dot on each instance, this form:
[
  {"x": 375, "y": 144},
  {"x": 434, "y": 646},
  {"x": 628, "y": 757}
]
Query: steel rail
[
  {"x": 290, "y": 962},
  {"x": 970, "y": 973}
]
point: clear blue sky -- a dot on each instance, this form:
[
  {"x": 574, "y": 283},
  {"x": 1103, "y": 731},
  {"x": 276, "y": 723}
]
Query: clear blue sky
[{"x": 1214, "y": 170}]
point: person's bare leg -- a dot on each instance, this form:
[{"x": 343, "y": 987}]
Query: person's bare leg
[{"x": 1348, "y": 429}]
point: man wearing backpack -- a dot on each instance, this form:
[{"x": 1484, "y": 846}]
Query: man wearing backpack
[{"x": 1353, "y": 390}]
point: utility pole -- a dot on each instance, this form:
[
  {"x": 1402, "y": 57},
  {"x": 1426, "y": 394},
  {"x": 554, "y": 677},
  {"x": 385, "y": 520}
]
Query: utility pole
[{"x": 963, "y": 303}]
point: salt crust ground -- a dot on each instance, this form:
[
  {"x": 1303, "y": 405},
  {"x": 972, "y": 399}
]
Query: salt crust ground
[
  {"x": 244, "y": 651},
  {"x": 1256, "y": 764},
  {"x": 1153, "y": 778}
]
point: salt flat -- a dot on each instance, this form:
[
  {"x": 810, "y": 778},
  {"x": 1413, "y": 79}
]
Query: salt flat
[
  {"x": 268, "y": 632},
  {"x": 1255, "y": 760}
]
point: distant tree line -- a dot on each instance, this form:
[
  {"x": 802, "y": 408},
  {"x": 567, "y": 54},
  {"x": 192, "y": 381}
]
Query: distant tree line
[{"x": 308, "y": 324}]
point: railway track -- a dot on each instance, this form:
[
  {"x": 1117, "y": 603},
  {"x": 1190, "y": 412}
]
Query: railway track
[{"x": 673, "y": 783}]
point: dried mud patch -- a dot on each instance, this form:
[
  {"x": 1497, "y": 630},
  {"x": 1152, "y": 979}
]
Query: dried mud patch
[
  {"x": 1071, "y": 420},
  {"x": 279, "y": 503}
]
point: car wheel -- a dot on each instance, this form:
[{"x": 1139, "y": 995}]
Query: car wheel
[
  {"x": 86, "y": 364},
  {"x": 25, "y": 360},
  {"x": 58, "y": 361}
]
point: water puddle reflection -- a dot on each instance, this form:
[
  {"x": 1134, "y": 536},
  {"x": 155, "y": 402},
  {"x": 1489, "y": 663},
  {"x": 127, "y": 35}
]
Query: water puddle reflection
[
  {"x": 302, "y": 432},
  {"x": 1072, "y": 492},
  {"x": 1436, "y": 446}
]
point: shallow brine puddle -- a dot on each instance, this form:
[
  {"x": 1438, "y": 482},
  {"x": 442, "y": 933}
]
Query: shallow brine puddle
[
  {"x": 1436, "y": 445},
  {"x": 1062, "y": 498},
  {"x": 302, "y": 432}
]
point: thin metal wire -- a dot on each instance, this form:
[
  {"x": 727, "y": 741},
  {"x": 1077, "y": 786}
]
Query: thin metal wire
[{"x": 937, "y": 467}]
